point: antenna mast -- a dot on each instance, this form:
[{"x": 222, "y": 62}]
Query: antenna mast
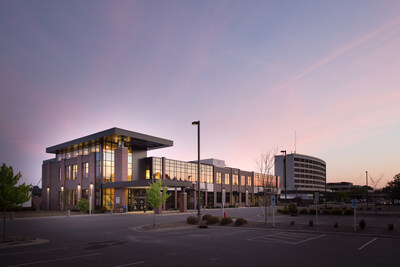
[{"x": 295, "y": 141}]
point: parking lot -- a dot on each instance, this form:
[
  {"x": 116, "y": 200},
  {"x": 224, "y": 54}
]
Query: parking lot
[{"x": 117, "y": 241}]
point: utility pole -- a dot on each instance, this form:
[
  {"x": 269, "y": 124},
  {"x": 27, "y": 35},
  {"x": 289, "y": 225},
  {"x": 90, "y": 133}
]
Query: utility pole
[{"x": 366, "y": 178}]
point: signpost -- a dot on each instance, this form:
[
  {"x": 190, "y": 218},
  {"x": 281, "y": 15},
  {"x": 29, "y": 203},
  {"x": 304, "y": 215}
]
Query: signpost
[
  {"x": 316, "y": 207},
  {"x": 273, "y": 210},
  {"x": 354, "y": 206}
]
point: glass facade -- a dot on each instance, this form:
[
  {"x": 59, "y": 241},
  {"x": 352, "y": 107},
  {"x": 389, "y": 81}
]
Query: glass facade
[{"x": 85, "y": 170}]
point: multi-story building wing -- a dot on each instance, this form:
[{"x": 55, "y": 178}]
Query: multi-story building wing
[
  {"x": 111, "y": 169},
  {"x": 305, "y": 175}
]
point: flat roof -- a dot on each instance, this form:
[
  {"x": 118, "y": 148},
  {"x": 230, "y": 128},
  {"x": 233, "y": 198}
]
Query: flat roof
[{"x": 133, "y": 138}]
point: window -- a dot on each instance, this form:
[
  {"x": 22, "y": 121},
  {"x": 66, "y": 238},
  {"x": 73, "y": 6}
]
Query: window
[
  {"x": 235, "y": 179},
  {"x": 226, "y": 178},
  {"x": 85, "y": 170},
  {"x": 73, "y": 197},
  {"x": 242, "y": 180},
  {"x": 147, "y": 174},
  {"x": 219, "y": 179},
  {"x": 249, "y": 180},
  {"x": 74, "y": 171},
  {"x": 129, "y": 166},
  {"x": 67, "y": 173},
  {"x": 59, "y": 174}
]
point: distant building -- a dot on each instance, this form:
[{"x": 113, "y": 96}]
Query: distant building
[
  {"x": 342, "y": 186},
  {"x": 305, "y": 175}
]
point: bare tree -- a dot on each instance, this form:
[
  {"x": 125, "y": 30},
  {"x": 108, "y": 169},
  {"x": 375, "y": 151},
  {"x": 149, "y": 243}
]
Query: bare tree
[
  {"x": 375, "y": 181},
  {"x": 264, "y": 165},
  {"x": 266, "y": 161}
]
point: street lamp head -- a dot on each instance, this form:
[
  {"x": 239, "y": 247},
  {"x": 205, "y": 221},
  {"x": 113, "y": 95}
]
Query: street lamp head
[
  {"x": 283, "y": 151},
  {"x": 195, "y": 123}
]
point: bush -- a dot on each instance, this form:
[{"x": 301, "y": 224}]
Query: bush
[
  {"x": 240, "y": 221},
  {"x": 336, "y": 212},
  {"x": 279, "y": 210},
  {"x": 348, "y": 212},
  {"x": 391, "y": 226},
  {"x": 362, "y": 224},
  {"x": 226, "y": 221},
  {"x": 206, "y": 216},
  {"x": 192, "y": 220},
  {"x": 336, "y": 225},
  {"x": 101, "y": 210},
  {"x": 311, "y": 223},
  {"x": 213, "y": 220},
  {"x": 293, "y": 208},
  {"x": 312, "y": 211},
  {"x": 327, "y": 212},
  {"x": 83, "y": 205},
  {"x": 304, "y": 211}
]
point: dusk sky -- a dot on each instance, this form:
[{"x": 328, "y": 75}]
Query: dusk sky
[{"x": 253, "y": 73}]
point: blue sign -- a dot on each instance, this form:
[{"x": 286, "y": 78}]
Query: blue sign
[
  {"x": 354, "y": 203},
  {"x": 273, "y": 201}
]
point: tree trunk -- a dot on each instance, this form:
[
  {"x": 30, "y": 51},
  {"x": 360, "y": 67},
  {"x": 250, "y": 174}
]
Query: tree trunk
[{"x": 4, "y": 224}]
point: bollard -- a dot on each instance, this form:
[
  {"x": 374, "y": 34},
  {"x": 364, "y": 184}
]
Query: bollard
[
  {"x": 12, "y": 216},
  {"x": 224, "y": 214},
  {"x": 68, "y": 213},
  {"x": 111, "y": 211}
]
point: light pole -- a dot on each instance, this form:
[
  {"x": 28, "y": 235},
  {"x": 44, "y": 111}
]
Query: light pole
[
  {"x": 48, "y": 198},
  {"x": 284, "y": 152},
  {"x": 366, "y": 179},
  {"x": 198, "y": 167},
  {"x": 90, "y": 198}
]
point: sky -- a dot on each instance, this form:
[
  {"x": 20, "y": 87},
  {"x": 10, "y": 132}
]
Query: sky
[{"x": 255, "y": 73}]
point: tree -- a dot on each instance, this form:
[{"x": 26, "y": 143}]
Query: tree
[
  {"x": 341, "y": 195},
  {"x": 393, "y": 187},
  {"x": 156, "y": 196},
  {"x": 264, "y": 165},
  {"x": 11, "y": 196},
  {"x": 83, "y": 205}
]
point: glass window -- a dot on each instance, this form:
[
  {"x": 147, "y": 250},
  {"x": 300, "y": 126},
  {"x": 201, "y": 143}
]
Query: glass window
[
  {"x": 219, "y": 179},
  {"x": 59, "y": 174},
  {"x": 67, "y": 173},
  {"x": 85, "y": 170},
  {"x": 242, "y": 180},
  {"x": 235, "y": 179},
  {"x": 74, "y": 171},
  {"x": 227, "y": 178}
]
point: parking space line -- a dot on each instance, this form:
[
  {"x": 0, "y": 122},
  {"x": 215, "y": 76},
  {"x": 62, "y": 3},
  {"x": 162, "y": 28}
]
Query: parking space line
[
  {"x": 309, "y": 239},
  {"x": 32, "y": 251},
  {"x": 366, "y": 244},
  {"x": 61, "y": 259},
  {"x": 130, "y": 264},
  {"x": 263, "y": 236}
]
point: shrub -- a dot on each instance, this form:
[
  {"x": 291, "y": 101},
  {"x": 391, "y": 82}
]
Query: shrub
[
  {"x": 312, "y": 211},
  {"x": 240, "y": 221},
  {"x": 348, "y": 212},
  {"x": 83, "y": 205},
  {"x": 336, "y": 212},
  {"x": 279, "y": 210},
  {"x": 336, "y": 225},
  {"x": 213, "y": 220},
  {"x": 291, "y": 223},
  {"x": 362, "y": 224},
  {"x": 192, "y": 220},
  {"x": 327, "y": 212},
  {"x": 293, "y": 208},
  {"x": 101, "y": 210},
  {"x": 391, "y": 226},
  {"x": 206, "y": 216},
  {"x": 304, "y": 211},
  {"x": 311, "y": 223},
  {"x": 226, "y": 221}
]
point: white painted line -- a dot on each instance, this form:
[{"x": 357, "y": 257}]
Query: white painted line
[
  {"x": 263, "y": 236},
  {"x": 130, "y": 264},
  {"x": 366, "y": 244},
  {"x": 269, "y": 240},
  {"x": 31, "y": 251},
  {"x": 298, "y": 234},
  {"x": 61, "y": 259},
  {"x": 309, "y": 239}
]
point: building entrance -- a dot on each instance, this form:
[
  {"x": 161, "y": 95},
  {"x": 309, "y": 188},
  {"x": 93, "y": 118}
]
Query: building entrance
[{"x": 137, "y": 200}]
